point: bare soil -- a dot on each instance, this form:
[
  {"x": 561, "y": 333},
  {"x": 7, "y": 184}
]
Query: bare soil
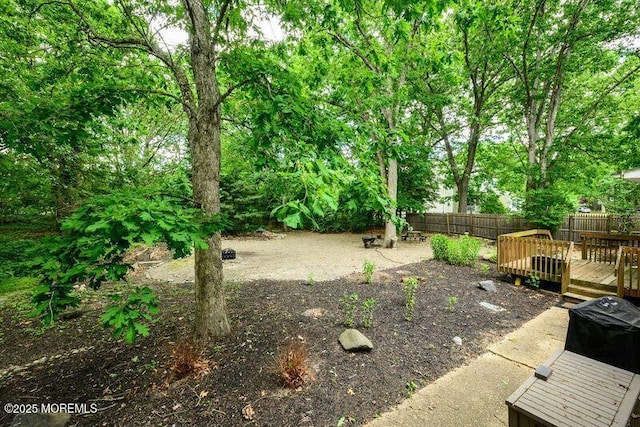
[{"x": 133, "y": 385}]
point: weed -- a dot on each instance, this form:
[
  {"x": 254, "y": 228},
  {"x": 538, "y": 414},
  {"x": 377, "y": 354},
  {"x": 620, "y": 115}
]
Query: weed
[
  {"x": 368, "y": 307},
  {"x": 189, "y": 360},
  {"x": 439, "y": 247},
  {"x": 410, "y": 288},
  {"x": 533, "y": 282},
  {"x": 411, "y": 387},
  {"x": 494, "y": 256},
  {"x": 484, "y": 269},
  {"x": 310, "y": 279},
  {"x": 451, "y": 303},
  {"x": 293, "y": 366},
  {"x": 368, "y": 268},
  {"x": 349, "y": 305}
]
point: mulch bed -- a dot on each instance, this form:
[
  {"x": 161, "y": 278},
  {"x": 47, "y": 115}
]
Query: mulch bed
[{"x": 133, "y": 385}]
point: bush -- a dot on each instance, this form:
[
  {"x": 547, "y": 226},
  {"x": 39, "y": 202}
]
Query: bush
[
  {"x": 439, "y": 247},
  {"x": 463, "y": 251}
]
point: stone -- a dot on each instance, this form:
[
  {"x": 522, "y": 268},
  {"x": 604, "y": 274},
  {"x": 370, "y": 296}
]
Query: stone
[
  {"x": 40, "y": 420},
  {"x": 492, "y": 307},
  {"x": 488, "y": 285},
  {"x": 354, "y": 340},
  {"x": 314, "y": 313},
  {"x": 457, "y": 340}
]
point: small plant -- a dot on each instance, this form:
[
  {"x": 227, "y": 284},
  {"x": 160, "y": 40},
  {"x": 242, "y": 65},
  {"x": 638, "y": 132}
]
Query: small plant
[
  {"x": 310, "y": 279},
  {"x": 293, "y": 366},
  {"x": 349, "y": 305},
  {"x": 533, "y": 282},
  {"x": 411, "y": 388},
  {"x": 494, "y": 256},
  {"x": 451, "y": 303},
  {"x": 410, "y": 288},
  {"x": 368, "y": 268},
  {"x": 368, "y": 307},
  {"x": 439, "y": 247},
  {"x": 189, "y": 360},
  {"x": 484, "y": 269}
]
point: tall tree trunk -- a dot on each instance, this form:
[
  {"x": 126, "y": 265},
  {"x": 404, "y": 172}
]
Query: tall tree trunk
[
  {"x": 210, "y": 309},
  {"x": 204, "y": 139},
  {"x": 390, "y": 236}
]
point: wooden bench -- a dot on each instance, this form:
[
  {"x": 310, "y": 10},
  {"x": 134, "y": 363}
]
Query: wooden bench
[{"x": 579, "y": 392}]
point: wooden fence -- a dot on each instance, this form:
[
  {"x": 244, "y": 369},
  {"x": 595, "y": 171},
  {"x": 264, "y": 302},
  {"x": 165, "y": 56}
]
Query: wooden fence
[{"x": 490, "y": 226}]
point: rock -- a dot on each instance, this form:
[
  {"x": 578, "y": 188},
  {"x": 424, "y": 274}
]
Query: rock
[
  {"x": 40, "y": 420},
  {"x": 457, "y": 340},
  {"x": 488, "y": 285},
  {"x": 314, "y": 313},
  {"x": 353, "y": 340},
  {"x": 492, "y": 307}
]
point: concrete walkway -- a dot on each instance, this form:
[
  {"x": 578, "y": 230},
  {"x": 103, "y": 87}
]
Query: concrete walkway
[{"x": 474, "y": 395}]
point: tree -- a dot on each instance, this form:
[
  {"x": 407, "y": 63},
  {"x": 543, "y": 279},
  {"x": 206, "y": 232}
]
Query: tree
[
  {"x": 377, "y": 43},
  {"x": 201, "y": 97},
  {"x": 555, "y": 43},
  {"x": 462, "y": 97}
]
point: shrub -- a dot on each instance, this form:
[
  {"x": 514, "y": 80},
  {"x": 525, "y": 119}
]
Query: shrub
[
  {"x": 189, "y": 360},
  {"x": 368, "y": 307},
  {"x": 349, "y": 306},
  {"x": 368, "y": 268},
  {"x": 463, "y": 251},
  {"x": 410, "y": 288},
  {"x": 439, "y": 247},
  {"x": 293, "y": 366}
]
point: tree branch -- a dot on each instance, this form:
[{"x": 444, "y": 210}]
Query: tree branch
[{"x": 367, "y": 62}]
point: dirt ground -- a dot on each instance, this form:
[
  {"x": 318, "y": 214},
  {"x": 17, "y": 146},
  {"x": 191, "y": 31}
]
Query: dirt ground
[
  {"x": 298, "y": 255},
  {"x": 77, "y": 361}
]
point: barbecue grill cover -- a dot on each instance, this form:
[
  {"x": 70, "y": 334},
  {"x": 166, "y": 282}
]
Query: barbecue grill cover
[{"x": 606, "y": 329}]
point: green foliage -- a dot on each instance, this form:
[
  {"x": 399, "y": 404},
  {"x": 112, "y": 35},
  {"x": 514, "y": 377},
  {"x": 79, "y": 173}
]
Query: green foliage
[
  {"x": 349, "y": 307},
  {"x": 96, "y": 237},
  {"x": 368, "y": 269},
  {"x": 130, "y": 318},
  {"x": 463, "y": 251},
  {"x": 491, "y": 204},
  {"x": 411, "y": 387},
  {"x": 548, "y": 207},
  {"x": 410, "y": 288},
  {"x": 532, "y": 282},
  {"x": 484, "y": 269},
  {"x": 368, "y": 308},
  {"x": 439, "y": 246},
  {"x": 451, "y": 303},
  {"x": 310, "y": 279}
]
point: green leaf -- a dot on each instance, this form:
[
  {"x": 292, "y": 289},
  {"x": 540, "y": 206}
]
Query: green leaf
[
  {"x": 130, "y": 334},
  {"x": 293, "y": 220},
  {"x": 141, "y": 329}
]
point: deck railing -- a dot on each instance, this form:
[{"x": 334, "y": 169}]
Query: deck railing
[
  {"x": 603, "y": 247},
  {"x": 627, "y": 271},
  {"x": 534, "y": 253}
]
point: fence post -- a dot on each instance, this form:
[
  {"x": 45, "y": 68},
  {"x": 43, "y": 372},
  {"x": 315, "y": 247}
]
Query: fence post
[
  {"x": 471, "y": 224},
  {"x": 448, "y": 226},
  {"x": 571, "y": 217},
  {"x": 424, "y": 218},
  {"x": 497, "y": 226}
]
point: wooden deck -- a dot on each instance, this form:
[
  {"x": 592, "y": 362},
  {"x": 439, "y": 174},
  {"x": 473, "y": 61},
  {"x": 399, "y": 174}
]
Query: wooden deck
[{"x": 603, "y": 267}]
